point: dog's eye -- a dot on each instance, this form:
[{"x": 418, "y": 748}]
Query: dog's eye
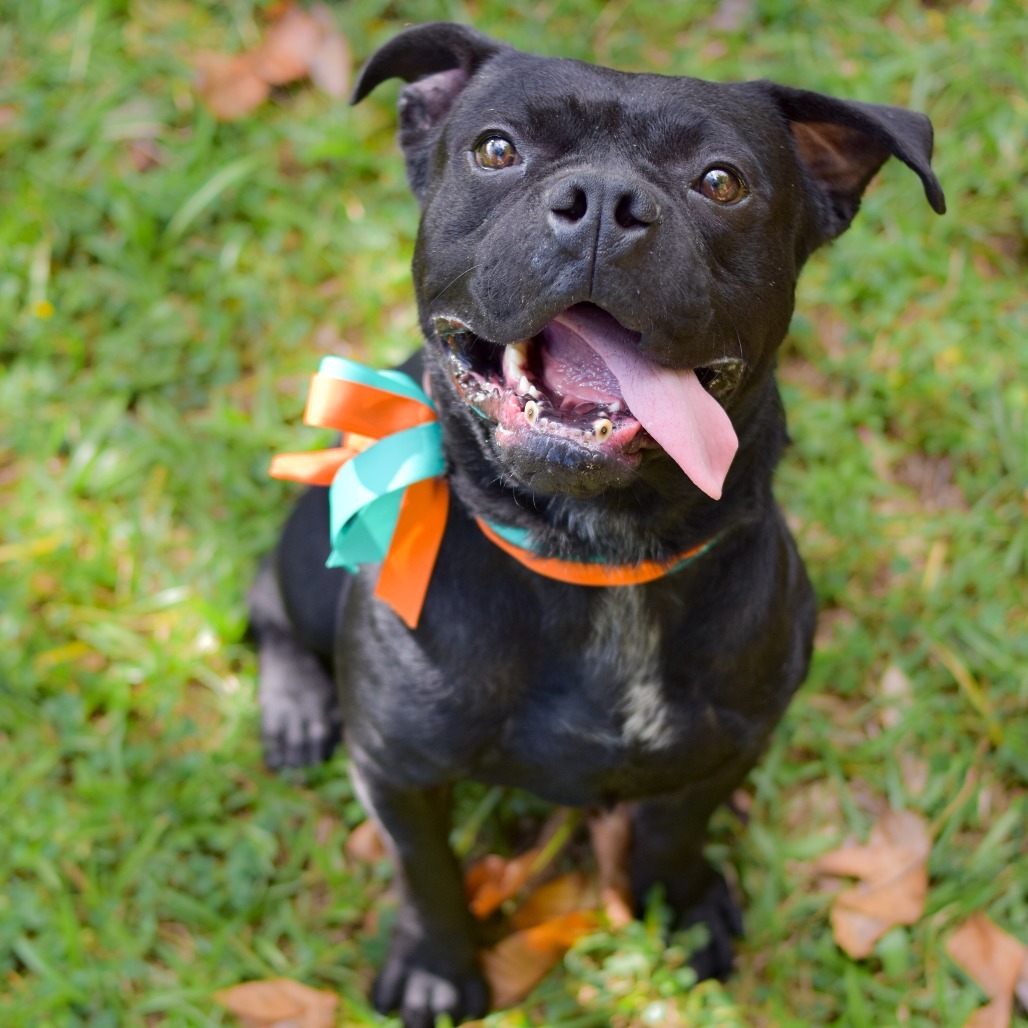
[
  {"x": 495, "y": 153},
  {"x": 721, "y": 185}
]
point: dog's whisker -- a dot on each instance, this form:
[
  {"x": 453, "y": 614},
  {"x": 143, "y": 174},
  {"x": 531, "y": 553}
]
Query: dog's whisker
[{"x": 449, "y": 285}]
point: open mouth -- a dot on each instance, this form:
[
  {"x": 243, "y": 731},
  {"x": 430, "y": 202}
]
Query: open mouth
[{"x": 581, "y": 380}]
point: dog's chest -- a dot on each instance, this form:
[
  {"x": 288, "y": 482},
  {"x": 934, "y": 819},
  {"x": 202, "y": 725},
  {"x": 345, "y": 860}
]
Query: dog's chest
[
  {"x": 608, "y": 719},
  {"x": 623, "y": 656}
]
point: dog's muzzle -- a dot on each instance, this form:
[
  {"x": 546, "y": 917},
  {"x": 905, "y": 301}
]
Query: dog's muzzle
[{"x": 581, "y": 380}]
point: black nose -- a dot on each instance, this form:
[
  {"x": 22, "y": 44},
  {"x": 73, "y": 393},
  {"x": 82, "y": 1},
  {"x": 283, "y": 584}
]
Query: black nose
[{"x": 591, "y": 209}]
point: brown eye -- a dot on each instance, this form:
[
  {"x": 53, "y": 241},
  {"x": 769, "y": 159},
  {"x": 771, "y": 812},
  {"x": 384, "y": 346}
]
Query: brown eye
[
  {"x": 722, "y": 186},
  {"x": 495, "y": 153}
]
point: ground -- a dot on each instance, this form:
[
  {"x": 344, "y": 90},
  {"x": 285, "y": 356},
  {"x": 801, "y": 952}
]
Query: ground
[{"x": 167, "y": 284}]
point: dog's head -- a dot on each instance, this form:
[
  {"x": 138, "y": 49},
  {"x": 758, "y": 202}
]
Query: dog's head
[{"x": 606, "y": 261}]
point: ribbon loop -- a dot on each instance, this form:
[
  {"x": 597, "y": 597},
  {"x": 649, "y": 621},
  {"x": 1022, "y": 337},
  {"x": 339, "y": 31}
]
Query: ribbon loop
[
  {"x": 365, "y": 409},
  {"x": 384, "y": 470},
  {"x": 387, "y": 497}
]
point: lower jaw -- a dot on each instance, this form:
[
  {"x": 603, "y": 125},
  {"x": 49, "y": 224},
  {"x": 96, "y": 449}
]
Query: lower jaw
[
  {"x": 558, "y": 461},
  {"x": 548, "y": 465},
  {"x": 588, "y": 434}
]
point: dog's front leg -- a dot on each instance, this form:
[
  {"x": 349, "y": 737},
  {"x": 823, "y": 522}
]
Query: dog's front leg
[
  {"x": 667, "y": 850},
  {"x": 432, "y": 967}
]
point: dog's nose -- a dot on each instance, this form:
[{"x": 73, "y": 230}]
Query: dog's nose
[{"x": 594, "y": 210}]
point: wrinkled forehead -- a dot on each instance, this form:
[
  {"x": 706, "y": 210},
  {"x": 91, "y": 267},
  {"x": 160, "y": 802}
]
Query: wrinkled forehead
[{"x": 569, "y": 101}]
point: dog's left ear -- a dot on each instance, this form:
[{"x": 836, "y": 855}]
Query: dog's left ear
[
  {"x": 437, "y": 60},
  {"x": 843, "y": 143}
]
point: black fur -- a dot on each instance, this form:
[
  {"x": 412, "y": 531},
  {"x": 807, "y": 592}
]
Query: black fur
[{"x": 659, "y": 696}]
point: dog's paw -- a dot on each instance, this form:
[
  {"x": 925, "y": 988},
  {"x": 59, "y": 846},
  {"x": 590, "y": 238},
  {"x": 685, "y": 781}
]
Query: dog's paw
[
  {"x": 720, "y": 913},
  {"x": 421, "y": 995},
  {"x": 300, "y": 719}
]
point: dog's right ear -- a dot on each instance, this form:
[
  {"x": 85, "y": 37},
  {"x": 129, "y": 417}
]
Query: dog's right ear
[
  {"x": 843, "y": 143},
  {"x": 436, "y": 60}
]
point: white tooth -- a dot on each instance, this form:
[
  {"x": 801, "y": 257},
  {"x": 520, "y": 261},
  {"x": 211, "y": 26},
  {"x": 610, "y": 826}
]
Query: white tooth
[
  {"x": 615, "y": 406},
  {"x": 524, "y": 386},
  {"x": 514, "y": 361},
  {"x": 532, "y": 412},
  {"x": 602, "y": 428},
  {"x": 532, "y": 391}
]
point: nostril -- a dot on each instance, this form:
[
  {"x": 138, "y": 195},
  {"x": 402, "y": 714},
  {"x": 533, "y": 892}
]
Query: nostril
[
  {"x": 569, "y": 203},
  {"x": 635, "y": 210}
]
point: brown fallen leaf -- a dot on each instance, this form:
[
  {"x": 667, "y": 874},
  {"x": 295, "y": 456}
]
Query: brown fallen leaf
[
  {"x": 284, "y": 55},
  {"x": 547, "y": 921},
  {"x": 365, "y": 844},
  {"x": 893, "y": 865},
  {"x": 138, "y": 125},
  {"x": 329, "y": 65},
  {"x": 297, "y": 44},
  {"x": 144, "y": 154},
  {"x": 229, "y": 86},
  {"x": 493, "y": 880},
  {"x": 279, "y": 1003},
  {"x": 552, "y": 916},
  {"x": 611, "y": 835},
  {"x": 556, "y": 898},
  {"x": 519, "y": 962},
  {"x": 996, "y": 961},
  {"x": 897, "y": 694},
  {"x": 730, "y": 15}
]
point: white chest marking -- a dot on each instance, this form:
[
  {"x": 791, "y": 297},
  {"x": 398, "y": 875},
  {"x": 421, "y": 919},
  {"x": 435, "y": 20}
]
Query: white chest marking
[{"x": 625, "y": 646}]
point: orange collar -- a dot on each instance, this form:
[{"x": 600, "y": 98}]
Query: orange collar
[
  {"x": 389, "y": 496},
  {"x": 594, "y": 573}
]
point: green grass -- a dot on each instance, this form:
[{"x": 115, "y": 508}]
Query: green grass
[{"x": 156, "y": 333}]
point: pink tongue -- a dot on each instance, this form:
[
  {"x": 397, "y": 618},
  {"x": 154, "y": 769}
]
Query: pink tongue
[
  {"x": 670, "y": 404},
  {"x": 572, "y": 368}
]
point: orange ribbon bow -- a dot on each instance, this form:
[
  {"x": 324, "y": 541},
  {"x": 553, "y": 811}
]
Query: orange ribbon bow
[{"x": 388, "y": 495}]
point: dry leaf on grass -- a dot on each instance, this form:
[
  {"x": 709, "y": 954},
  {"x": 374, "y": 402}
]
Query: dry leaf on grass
[
  {"x": 564, "y": 895},
  {"x": 329, "y": 64},
  {"x": 493, "y": 880},
  {"x": 144, "y": 154},
  {"x": 365, "y": 844},
  {"x": 611, "y": 835},
  {"x": 279, "y": 1003},
  {"x": 519, "y": 962},
  {"x": 548, "y": 920},
  {"x": 298, "y": 43},
  {"x": 229, "y": 86},
  {"x": 893, "y": 866},
  {"x": 897, "y": 694},
  {"x": 996, "y": 961},
  {"x": 285, "y": 53},
  {"x": 552, "y": 916}
]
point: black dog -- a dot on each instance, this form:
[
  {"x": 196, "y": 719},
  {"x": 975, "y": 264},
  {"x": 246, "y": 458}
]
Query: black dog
[{"x": 605, "y": 266}]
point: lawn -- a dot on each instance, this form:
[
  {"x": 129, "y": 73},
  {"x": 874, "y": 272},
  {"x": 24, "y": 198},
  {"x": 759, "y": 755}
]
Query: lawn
[{"x": 167, "y": 284}]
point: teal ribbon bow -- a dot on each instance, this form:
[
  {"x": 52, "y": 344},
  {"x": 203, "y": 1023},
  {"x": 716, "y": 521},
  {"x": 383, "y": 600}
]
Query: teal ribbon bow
[{"x": 366, "y": 492}]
